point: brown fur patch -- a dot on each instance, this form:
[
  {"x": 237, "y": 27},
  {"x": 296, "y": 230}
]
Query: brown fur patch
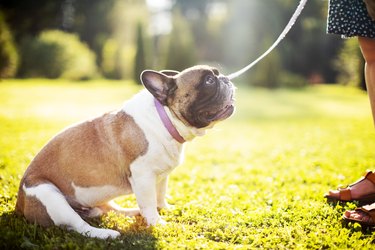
[
  {"x": 35, "y": 211},
  {"x": 93, "y": 153}
]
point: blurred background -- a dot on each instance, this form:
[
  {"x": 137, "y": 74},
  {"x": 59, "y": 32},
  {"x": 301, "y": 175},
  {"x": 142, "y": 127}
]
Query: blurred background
[{"x": 117, "y": 39}]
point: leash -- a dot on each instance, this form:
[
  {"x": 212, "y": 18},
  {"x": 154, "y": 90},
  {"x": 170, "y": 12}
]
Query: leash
[{"x": 292, "y": 20}]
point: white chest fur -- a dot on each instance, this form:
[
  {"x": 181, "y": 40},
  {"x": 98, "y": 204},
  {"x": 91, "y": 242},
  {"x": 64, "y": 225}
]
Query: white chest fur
[{"x": 164, "y": 153}]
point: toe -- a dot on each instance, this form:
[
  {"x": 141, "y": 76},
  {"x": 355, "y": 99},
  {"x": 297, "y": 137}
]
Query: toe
[
  {"x": 348, "y": 214},
  {"x": 358, "y": 215},
  {"x": 334, "y": 193}
]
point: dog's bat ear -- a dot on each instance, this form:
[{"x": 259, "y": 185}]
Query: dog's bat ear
[
  {"x": 158, "y": 84},
  {"x": 169, "y": 72}
]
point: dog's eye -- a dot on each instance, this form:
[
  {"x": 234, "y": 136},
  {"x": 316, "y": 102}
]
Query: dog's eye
[{"x": 210, "y": 80}]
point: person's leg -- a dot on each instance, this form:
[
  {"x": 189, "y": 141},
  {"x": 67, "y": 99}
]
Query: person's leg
[
  {"x": 363, "y": 191},
  {"x": 367, "y": 46}
]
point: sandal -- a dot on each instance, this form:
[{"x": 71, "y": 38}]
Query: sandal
[
  {"x": 346, "y": 196},
  {"x": 368, "y": 210}
]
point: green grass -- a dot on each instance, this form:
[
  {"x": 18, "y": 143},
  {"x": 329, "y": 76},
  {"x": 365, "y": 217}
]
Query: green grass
[{"x": 255, "y": 181}]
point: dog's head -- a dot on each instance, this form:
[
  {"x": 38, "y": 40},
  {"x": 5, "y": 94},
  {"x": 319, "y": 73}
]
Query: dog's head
[{"x": 198, "y": 96}]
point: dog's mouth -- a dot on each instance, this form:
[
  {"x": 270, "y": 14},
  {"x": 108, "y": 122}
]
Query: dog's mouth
[
  {"x": 225, "y": 113},
  {"x": 220, "y": 114}
]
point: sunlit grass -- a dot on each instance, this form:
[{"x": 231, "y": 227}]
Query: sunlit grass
[{"x": 256, "y": 180}]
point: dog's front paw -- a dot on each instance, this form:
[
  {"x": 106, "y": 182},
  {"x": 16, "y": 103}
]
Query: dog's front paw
[
  {"x": 102, "y": 233},
  {"x": 155, "y": 221},
  {"x": 162, "y": 222},
  {"x": 165, "y": 206}
]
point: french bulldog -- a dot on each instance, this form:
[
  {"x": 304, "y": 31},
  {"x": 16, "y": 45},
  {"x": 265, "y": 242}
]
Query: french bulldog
[{"x": 78, "y": 173}]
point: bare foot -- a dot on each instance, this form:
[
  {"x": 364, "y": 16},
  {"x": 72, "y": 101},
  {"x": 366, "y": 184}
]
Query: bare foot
[
  {"x": 359, "y": 216},
  {"x": 358, "y": 189}
]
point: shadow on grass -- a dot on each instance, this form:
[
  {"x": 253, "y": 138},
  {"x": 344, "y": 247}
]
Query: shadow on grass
[{"x": 17, "y": 233}]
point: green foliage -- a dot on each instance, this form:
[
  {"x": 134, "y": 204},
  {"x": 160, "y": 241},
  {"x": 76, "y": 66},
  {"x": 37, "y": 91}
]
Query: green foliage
[
  {"x": 269, "y": 71},
  {"x": 30, "y": 17},
  {"x": 226, "y": 33},
  {"x": 181, "y": 49},
  {"x": 255, "y": 182},
  {"x": 127, "y": 54},
  {"x": 140, "y": 54},
  {"x": 111, "y": 60},
  {"x": 118, "y": 60},
  {"x": 125, "y": 16},
  {"x": 252, "y": 26},
  {"x": 349, "y": 63},
  {"x": 55, "y": 54},
  {"x": 290, "y": 80},
  {"x": 269, "y": 74},
  {"x": 93, "y": 22},
  {"x": 8, "y": 52}
]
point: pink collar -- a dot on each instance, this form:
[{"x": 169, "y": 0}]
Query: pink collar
[{"x": 167, "y": 122}]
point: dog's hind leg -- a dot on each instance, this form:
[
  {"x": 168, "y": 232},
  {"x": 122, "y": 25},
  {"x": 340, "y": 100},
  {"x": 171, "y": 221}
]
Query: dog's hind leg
[
  {"x": 58, "y": 210},
  {"x": 112, "y": 206},
  {"x": 93, "y": 212}
]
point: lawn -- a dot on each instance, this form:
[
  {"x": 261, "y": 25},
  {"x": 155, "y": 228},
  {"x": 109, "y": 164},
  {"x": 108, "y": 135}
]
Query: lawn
[{"x": 254, "y": 181}]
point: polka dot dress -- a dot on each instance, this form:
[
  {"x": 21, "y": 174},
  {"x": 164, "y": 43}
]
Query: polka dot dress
[{"x": 349, "y": 18}]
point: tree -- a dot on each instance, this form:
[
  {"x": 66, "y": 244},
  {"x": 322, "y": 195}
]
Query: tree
[
  {"x": 140, "y": 55},
  {"x": 261, "y": 75},
  {"x": 349, "y": 64},
  {"x": 30, "y": 17},
  {"x": 8, "y": 52},
  {"x": 54, "y": 54},
  {"x": 117, "y": 58},
  {"x": 307, "y": 49},
  {"x": 248, "y": 33},
  {"x": 181, "y": 49},
  {"x": 111, "y": 55},
  {"x": 91, "y": 20}
]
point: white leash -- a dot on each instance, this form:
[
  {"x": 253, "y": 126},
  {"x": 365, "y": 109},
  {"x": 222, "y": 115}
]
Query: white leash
[{"x": 292, "y": 20}]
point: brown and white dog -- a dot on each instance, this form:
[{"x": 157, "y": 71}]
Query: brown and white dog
[{"x": 131, "y": 150}]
